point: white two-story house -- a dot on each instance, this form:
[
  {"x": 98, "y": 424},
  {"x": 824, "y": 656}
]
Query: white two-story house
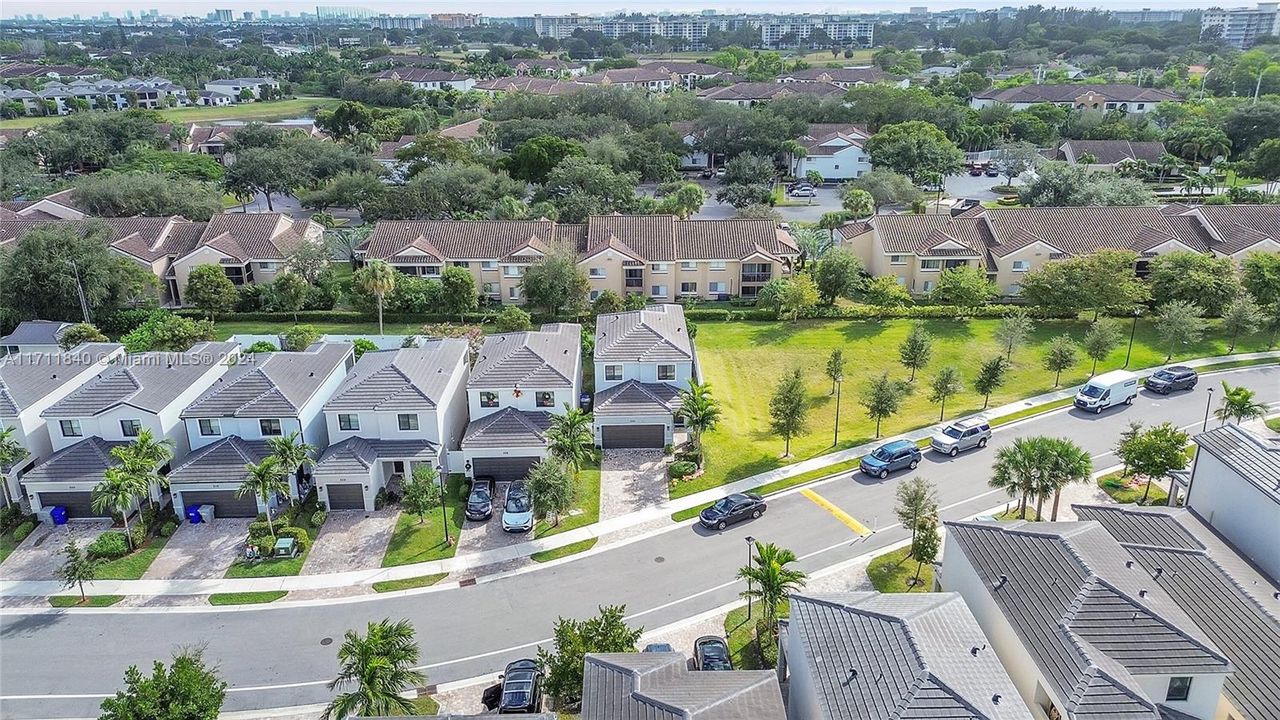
[
  {"x": 141, "y": 391},
  {"x": 642, "y": 360},
  {"x": 396, "y": 409},
  {"x": 34, "y": 336},
  {"x": 518, "y": 382}
]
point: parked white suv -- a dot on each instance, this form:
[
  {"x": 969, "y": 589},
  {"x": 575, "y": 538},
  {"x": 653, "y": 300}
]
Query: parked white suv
[{"x": 961, "y": 435}]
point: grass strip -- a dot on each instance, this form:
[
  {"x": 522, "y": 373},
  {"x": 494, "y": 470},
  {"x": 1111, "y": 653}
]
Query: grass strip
[
  {"x": 246, "y": 598},
  {"x": 565, "y": 551},
  {"x": 72, "y": 601},
  {"x": 408, "y": 583},
  {"x": 133, "y": 565},
  {"x": 893, "y": 572},
  {"x": 778, "y": 485}
]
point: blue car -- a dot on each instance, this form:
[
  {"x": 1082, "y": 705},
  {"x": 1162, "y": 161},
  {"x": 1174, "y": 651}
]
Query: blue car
[{"x": 890, "y": 457}]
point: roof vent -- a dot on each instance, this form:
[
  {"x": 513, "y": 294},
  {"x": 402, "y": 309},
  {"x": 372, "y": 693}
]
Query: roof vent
[
  {"x": 1128, "y": 563},
  {"x": 974, "y": 651},
  {"x": 1159, "y": 572},
  {"x": 169, "y": 366},
  {"x": 311, "y": 374},
  {"x": 853, "y": 673},
  {"x": 1142, "y": 593},
  {"x": 995, "y": 699},
  {"x": 1001, "y": 581}
]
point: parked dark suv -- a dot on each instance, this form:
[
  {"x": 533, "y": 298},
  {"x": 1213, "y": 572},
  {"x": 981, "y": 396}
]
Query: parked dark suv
[
  {"x": 521, "y": 688},
  {"x": 1177, "y": 377},
  {"x": 890, "y": 457}
]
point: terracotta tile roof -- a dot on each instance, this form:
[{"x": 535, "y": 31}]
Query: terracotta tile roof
[
  {"x": 620, "y": 76},
  {"x": 770, "y": 90},
  {"x": 455, "y": 240},
  {"x": 463, "y": 131},
  {"x": 387, "y": 150},
  {"x": 1076, "y": 230},
  {"x": 532, "y": 85},
  {"x": 685, "y": 68},
  {"x": 405, "y": 74},
  {"x": 255, "y": 236},
  {"x": 145, "y": 238},
  {"x": 1069, "y": 92},
  {"x": 1110, "y": 152},
  {"x": 1237, "y": 227},
  {"x": 843, "y": 75}
]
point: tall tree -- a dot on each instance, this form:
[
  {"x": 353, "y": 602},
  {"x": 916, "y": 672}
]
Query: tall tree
[
  {"x": 916, "y": 149},
  {"x": 1018, "y": 467},
  {"x": 551, "y": 488},
  {"x": 789, "y": 408},
  {"x": 573, "y": 639},
  {"x": 838, "y": 275},
  {"x": 1102, "y": 337},
  {"x": 1068, "y": 463},
  {"x": 1242, "y": 316},
  {"x": 1059, "y": 355},
  {"x": 835, "y": 367},
  {"x": 288, "y": 293},
  {"x": 264, "y": 480},
  {"x": 886, "y": 187},
  {"x": 990, "y": 377},
  {"x": 916, "y": 498},
  {"x": 964, "y": 286},
  {"x": 1239, "y": 404},
  {"x": 1013, "y": 330},
  {"x": 378, "y": 279},
  {"x": 378, "y": 666},
  {"x": 700, "y": 411},
  {"x": 770, "y": 581},
  {"x": 78, "y": 334},
  {"x": 186, "y": 690},
  {"x": 77, "y": 568},
  {"x": 1260, "y": 275},
  {"x": 916, "y": 349},
  {"x": 209, "y": 289},
  {"x": 1102, "y": 280},
  {"x": 945, "y": 384},
  {"x": 1193, "y": 277},
  {"x": 458, "y": 291},
  {"x": 882, "y": 397},
  {"x": 1179, "y": 323},
  {"x": 555, "y": 282},
  {"x": 569, "y": 438}
]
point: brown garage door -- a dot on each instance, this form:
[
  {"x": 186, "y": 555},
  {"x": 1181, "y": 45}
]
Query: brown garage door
[
  {"x": 78, "y": 504},
  {"x": 225, "y": 503},
  {"x": 503, "y": 469},
  {"x": 633, "y": 436},
  {"x": 346, "y": 496}
]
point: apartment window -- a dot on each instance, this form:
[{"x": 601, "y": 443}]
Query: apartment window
[
  {"x": 717, "y": 287},
  {"x": 512, "y": 271},
  {"x": 70, "y": 428},
  {"x": 488, "y": 399},
  {"x": 461, "y": 263},
  {"x": 659, "y": 267},
  {"x": 488, "y": 264},
  {"x": 611, "y": 372},
  {"x": 492, "y": 288},
  {"x": 596, "y": 272},
  {"x": 687, "y": 265},
  {"x": 659, "y": 291},
  {"x": 429, "y": 271},
  {"x": 269, "y": 266},
  {"x": 1142, "y": 106},
  {"x": 930, "y": 264},
  {"x": 1179, "y": 688},
  {"x": 269, "y": 427},
  {"x": 593, "y": 295},
  {"x": 348, "y": 422},
  {"x": 928, "y": 285},
  {"x": 1021, "y": 265},
  {"x": 897, "y": 259},
  {"x": 718, "y": 265},
  {"x": 130, "y": 428},
  {"x": 688, "y": 287},
  {"x": 666, "y": 372},
  {"x": 513, "y": 292},
  {"x": 209, "y": 428},
  {"x": 1015, "y": 288},
  {"x": 544, "y": 399},
  {"x": 407, "y": 421}
]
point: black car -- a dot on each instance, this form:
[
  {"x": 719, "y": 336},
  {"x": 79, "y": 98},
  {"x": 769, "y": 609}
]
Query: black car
[
  {"x": 711, "y": 653},
  {"x": 1167, "y": 380},
  {"x": 480, "y": 500},
  {"x": 521, "y": 688},
  {"x": 732, "y": 509}
]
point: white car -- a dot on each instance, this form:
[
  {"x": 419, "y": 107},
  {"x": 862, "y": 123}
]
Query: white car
[{"x": 517, "y": 511}]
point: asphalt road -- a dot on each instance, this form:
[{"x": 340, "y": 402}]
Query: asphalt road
[{"x": 58, "y": 664}]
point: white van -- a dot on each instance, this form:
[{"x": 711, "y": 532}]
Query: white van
[{"x": 1107, "y": 390}]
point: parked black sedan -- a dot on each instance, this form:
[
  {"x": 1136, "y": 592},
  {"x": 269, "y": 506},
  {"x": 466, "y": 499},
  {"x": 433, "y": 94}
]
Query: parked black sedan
[
  {"x": 480, "y": 499},
  {"x": 1176, "y": 377},
  {"x": 711, "y": 653},
  {"x": 521, "y": 688},
  {"x": 732, "y": 509}
]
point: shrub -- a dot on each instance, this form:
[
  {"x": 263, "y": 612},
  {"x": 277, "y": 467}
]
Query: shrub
[
  {"x": 719, "y": 314},
  {"x": 109, "y": 546},
  {"x": 11, "y": 516},
  {"x": 168, "y": 529},
  {"x": 138, "y": 535},
  {"x": 681, "y": 469},
  {"x": 690, "y": 456},
  {"x": 260, "y": 528},
  {"x": 151, "y": 517},
  {"x": 298, "y": 534},
  {"x": 23, "y": 531},
  {"x": 380, "y": 500},
  {"x": 318, "y": 518},
  {"x": 262, "y": 346}
]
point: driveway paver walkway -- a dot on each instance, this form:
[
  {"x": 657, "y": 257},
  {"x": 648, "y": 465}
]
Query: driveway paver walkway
[
  {"x": 351, "y": 540},
  {"x": 631, "y": 480},
  {"x": 204, "y": 550},
  {"x": 40, "y": 555}
]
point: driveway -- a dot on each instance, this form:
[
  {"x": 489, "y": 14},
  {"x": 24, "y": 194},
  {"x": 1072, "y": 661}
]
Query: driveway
[
  {"x": 40, "y": 555},
  {"x": 488, "y": 534},
  {"x": 631, "y": 480},
  {"x": 351, "y": 540},
  {"x": 977, "y": 188},
  {"x": 205, "y": 550}
]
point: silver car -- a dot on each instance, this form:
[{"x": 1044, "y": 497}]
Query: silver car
[
  {"x": 517, "y": 512},
  {"x": 961, "y": 435}
]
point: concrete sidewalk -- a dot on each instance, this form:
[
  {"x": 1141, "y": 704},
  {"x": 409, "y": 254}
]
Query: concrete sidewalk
[{"x": 460, "y": 564}]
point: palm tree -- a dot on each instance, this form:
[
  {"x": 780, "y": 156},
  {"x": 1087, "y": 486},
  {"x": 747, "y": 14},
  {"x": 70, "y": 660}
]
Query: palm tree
[
  {"x": 11, "y": 451},
  {"x": 292, "y": 452},
  {"x": 264, "y": 480},
  {"x": 379, "y": 278},
  {"x": 1068, "y": 463},
  {"x": 1238, "y": 404},
  {"x": 115, "y": 494},
  {"x": 380, "y": 666},
  {"x": 770, "y": 581},
  {"x": 701, "y": 411},
  {"x": 142, "y": 459},
  {"x": 569, "y": 438},
  {"x": 1017, "y": 469}
]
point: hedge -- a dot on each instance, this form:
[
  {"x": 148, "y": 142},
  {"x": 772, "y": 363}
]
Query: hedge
[
  {"x": 23, "y": 530},
  {"x": 109, "y": 546}
]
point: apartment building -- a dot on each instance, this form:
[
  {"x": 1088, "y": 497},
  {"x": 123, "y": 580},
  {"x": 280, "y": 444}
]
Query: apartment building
[
  {"x": 643, "y": 77},
  {"x": 834, "y": 151},
  {"x": 1241, "y": 27},
  {"x": 746, "y": 94},
  {"x": 845, "y": 77},
  {"x": 235, "y": 87},
  {"x": 1118, "y": 97},
  {"x": 427, "y": 78},
  {"x": 791, "y": 30}
]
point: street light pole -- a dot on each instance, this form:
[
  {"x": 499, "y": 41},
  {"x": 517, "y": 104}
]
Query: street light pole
[
  {"x": 751, "y": 543},
  {"x": 1208, "y": 404},
  {"x": 1133, "y": 331}
]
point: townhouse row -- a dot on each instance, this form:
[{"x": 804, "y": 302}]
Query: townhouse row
[
  {"x": 61, "y": 98},
  {"x": 371, "y": 420}
]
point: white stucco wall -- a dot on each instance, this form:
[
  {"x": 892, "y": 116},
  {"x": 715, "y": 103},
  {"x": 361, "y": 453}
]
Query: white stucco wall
[
  {"x": 1238, "y": 509},
  {"x": 527, "y": 400},
  {"x": 246, "y": 428},
  {"x": 643, "y": 372}
]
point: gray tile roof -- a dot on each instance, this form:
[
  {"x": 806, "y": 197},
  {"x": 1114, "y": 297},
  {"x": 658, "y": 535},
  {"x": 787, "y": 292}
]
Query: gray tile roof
[
  {"x": 84, "y": 462},
  {"x": 508, "y": 427},
  {"x": 270, "y": 385},
  {"x": 403, "y": 380},
  {"x": 1069, "y": 92},
  {"x": 636, "y": 398},
  {"x": 35, "y": 332},
  {"x": 25, "y": 378},
  {"x": 1249, "y": 456},
  {"x": 543, "y": 358},
  {"x": 659, "y": 686},
  {"x": 769, "y": 90},
  {"x": 1110, "y": 152},
  {"x": 656, "y": 334},
  {"x": 875, "y": 656},
  {"x": 1090, "y": 621},
  {"x": 220, "y": 462},
  {"x": 148, "y": 381},
  {"x": 354, "y": 456},
  {"x": 1230, "y": 600}
]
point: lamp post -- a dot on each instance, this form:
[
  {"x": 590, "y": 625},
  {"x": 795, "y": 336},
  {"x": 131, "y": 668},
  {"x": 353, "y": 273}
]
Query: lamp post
[
  {"x": 1207, "y": 405},
  {"x": 751, "y": 546},
  {"x": 1133, "y": 331},
  {"x": 839, "y": 384}
]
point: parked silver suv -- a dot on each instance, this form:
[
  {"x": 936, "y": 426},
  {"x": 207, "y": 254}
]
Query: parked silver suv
[{"x": 961, "y": 435}]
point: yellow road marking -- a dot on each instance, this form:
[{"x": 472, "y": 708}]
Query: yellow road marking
[{"x": 840, "y": 515}]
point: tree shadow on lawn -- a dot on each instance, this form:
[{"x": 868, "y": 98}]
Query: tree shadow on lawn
[
  {"x": 863, "y": 330},
  {"x": 949, "y": 329},
  {"x": 777, "y": 332}
]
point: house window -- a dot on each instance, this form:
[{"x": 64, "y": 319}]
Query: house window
[
  {"x": 270, "y": 427},
  {"x": 430, "y": 271},
  {"x": 461, "y": 263},
  {"x": 544, "y": 399},
  {"x": 348, "y": 421},
  {"x": 492, "y": 288},
  {"x": 666, "y": 372},
  {"x": 513, "y": 292},
  {"x": 897, "y": 259},
  {"x": 1142, "y": 106},
  {"x": 488, "y": 264},
  {"x": 716, "y": 287},
  {"x": 687, "y": 265},
  {"x": 688, "y": 288},
  {"x": 269, "y": 266},
  {"x": 130, "y": 428},
  {"x": 1179, "y": 688},
  {"x": 928, "y": 285},
  {"x": 488, "y": 399},
  {"x": 718, "y": 265},
  {"x": 612, "y": 372},
  {"x": 596, "y": 272},
  {"x": 209, "y": 427},
  {"x": 658, "y": 291},
  {"x": 70, "y": 428},
  {"x": 930, "y": 264},
  {"x": 512, "y": 271},
  {"x": 659, "y": 267},
  {"x": 407, "y": 421},
  {"x": 1021, "y": 265}
]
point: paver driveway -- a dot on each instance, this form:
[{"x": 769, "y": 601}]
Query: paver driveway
[
  {"x": 205, "y": 550},
  {"x": 39, "y": 556},
  {"x": 351, "y": 540},
  {"x": 631, "y": 480}
]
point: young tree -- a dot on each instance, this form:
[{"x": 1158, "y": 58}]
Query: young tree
[
  {"x": 264, "y": 480},
  {"x": 684, "y": 200},
  {"x": 917, "y": 498},
  {"x": 926, "y": 543},
  {"x": 77, "y": 568},
  {"x": 1102, "y": 337},
  {"x": 299, "y": 337},
  {"x": 838, "y": 275},
  {"x": 1013, "y": 330},
  {"x": 292, "y": 452},
  {"x": 141, "y": 460},
  {"x": 835, "y": 367},
  {"x": 882, "y": 397},
  {"x": 556, "y": 282},
  {"x": 1242, "y": 316},
  {"x": 946, "y": 383},
  {"x": 209, "y": 289},
  {"x": 886, "y": 187},
  {"x": 700, "y": 411},
  {"x": 569, "y": 438},
  {"x": 512, "y": 319},
  {"x": 1178, "y": 322},
  {"x": 78, "y": 334},
  {"x": 458, "y": 291},
  {"x": 857, "y": 202},
  {"x": 421, "y": 493},
  {"x": 607, "y": 303},
  {"x": 551, "y": 488},
  {"x": 964, "y": 286},
  {"x": 1014, "y": 158},
  {"x": 915, "y": 350},
  {"x": 1059, "y": 355},
  {"x": 378, "y": 666},
  {"x": 378, "y": 279},
  {"x": 884, "y": 291},
  {"x": 115, "y": 494},
  {"x": 770, "y": 581},
  {"x": 789, "y": 408},
  {"x": 289, "y": 293},
  {"x": 1156, "y": 452},
  {"x": 186, "y": 690},
  {"x": 1238, "y": 404},
  {"x": 798, "y": 294},
  {"x": 990, "y": 377},
  {"x": 573, "y": 639}
]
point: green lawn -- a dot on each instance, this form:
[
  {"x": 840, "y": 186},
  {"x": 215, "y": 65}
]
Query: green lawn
[
  {"x": 744, "y": 360},
  {"x": 408, "y": 583},
  {"x": 744, "y": 649},
  {"x": 278, "y": 568},
  {"x": 271, "y": 110},
  {"x": 246, "y": 598},
  {"x": 893, "y": 571},
  {"x": 565, "y": 551},
  {"x": 71, "y": 601},
  {"x": 587, "y": 501},
  {"x": 7, "y": 546},
  {"x": 1012, "y": 513},
  {"x": 1273, "y": 425},
  {"x": 132, "y": 566},
  {"x": 1124, "y": 490},
  {"x": 415, "y": 542}
]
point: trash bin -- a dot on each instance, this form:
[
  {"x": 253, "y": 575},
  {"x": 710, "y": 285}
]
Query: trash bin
[
  {"x": 206, "y": 513},
  {"x": 193, "y": 514},
  {"x": 58, "y": 514}
]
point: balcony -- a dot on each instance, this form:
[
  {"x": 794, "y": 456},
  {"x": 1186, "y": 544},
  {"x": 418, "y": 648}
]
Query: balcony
[{"x": 756, "y": 277}]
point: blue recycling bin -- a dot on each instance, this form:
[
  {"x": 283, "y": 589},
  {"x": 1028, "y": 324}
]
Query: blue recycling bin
[
  {"x": 193, "y": 514},
  {"x": 58, "y": 514}
]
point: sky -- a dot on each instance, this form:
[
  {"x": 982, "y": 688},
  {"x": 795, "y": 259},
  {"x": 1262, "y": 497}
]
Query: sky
[{"x": 506, "y": 8}]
